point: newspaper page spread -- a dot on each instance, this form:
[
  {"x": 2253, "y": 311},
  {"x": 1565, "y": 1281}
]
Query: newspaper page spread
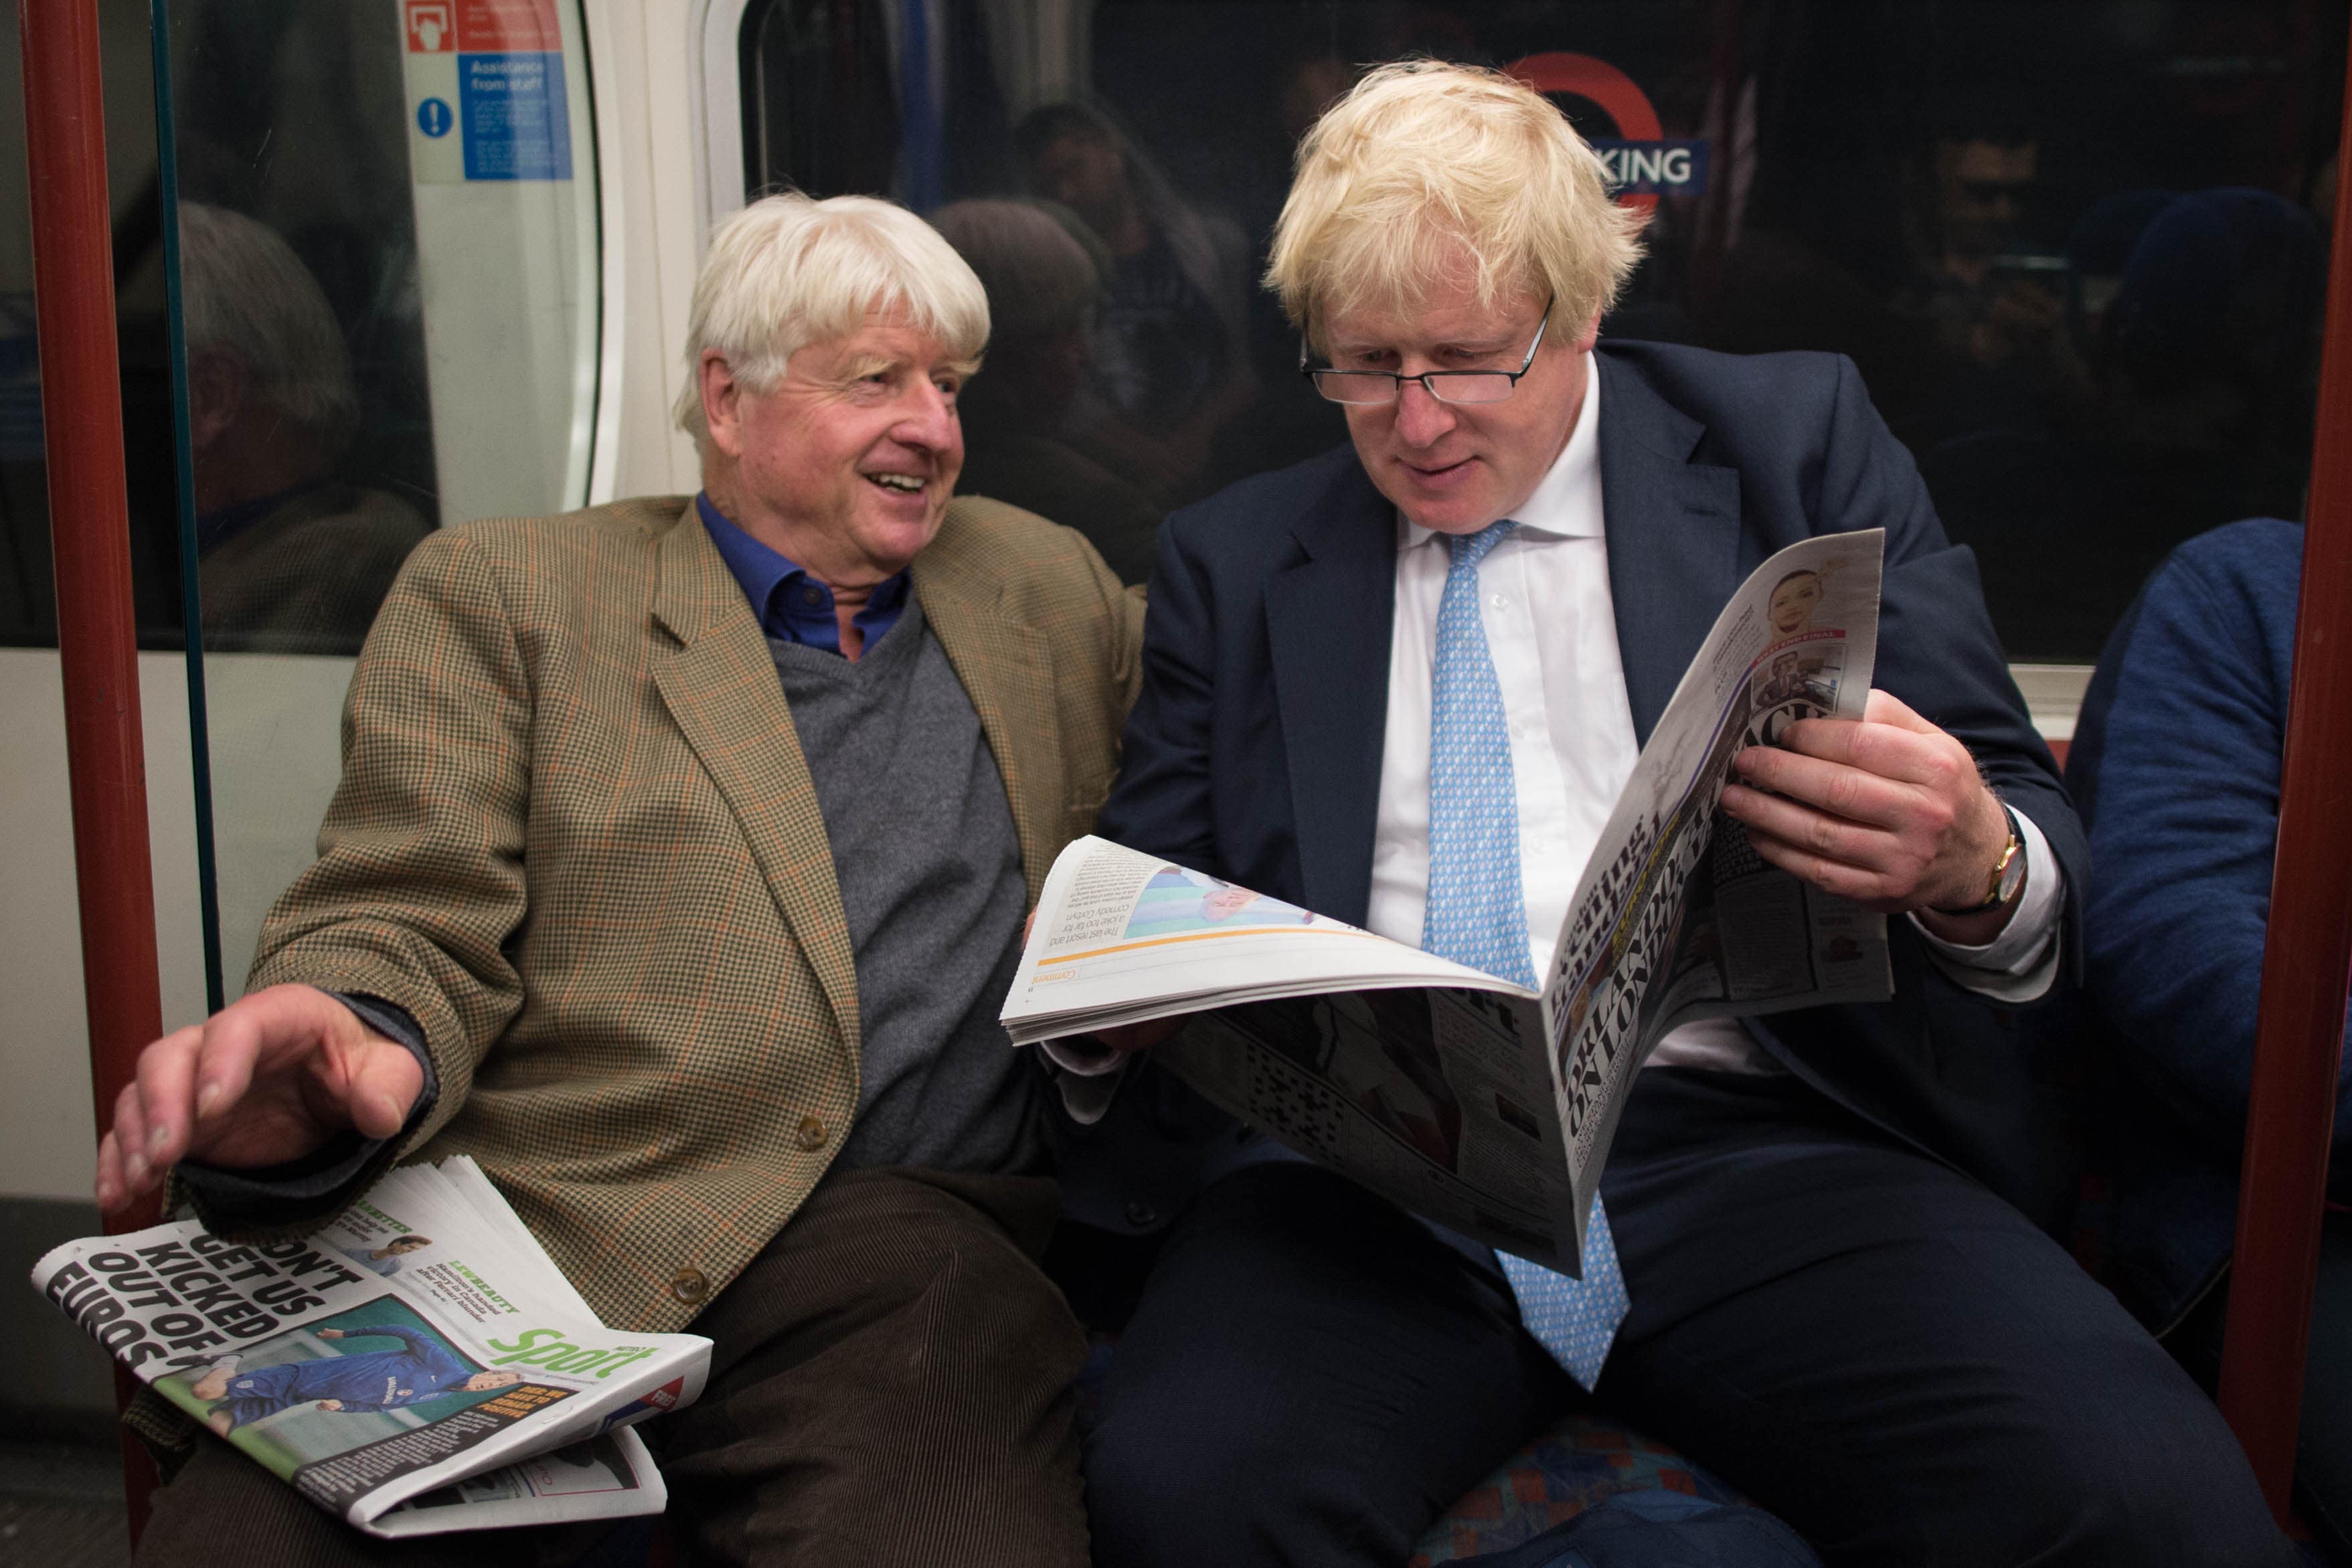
[
  {"x": 1676, "y": 918},
  {"x": 1473, "y": 1102},
  {"x": 419, "y": 1365}
]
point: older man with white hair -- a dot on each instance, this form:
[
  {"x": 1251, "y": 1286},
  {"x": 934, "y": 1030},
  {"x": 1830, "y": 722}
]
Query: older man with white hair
[{"x": 677, "y": 876}]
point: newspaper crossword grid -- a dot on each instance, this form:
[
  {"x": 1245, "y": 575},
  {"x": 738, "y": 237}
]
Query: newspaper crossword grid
[
  {"x": 1734, "y": 855},
  {"x": 1301, "y": 1110}
]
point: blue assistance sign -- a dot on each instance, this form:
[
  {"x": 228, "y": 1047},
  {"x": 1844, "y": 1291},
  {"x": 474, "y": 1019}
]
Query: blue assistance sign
[{"x": 517, "y": 125}]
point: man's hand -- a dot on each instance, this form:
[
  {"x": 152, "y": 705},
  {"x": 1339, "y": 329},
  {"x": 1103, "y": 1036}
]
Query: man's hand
[
  {"x": 267, "y": 1078},
  {"x": 1888, "y": 810},
  {"x": 330, "y": 1404}
]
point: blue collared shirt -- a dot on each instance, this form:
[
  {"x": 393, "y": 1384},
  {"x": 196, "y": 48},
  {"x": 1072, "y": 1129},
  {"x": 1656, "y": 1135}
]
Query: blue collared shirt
[{"x": 791, "y": 604}]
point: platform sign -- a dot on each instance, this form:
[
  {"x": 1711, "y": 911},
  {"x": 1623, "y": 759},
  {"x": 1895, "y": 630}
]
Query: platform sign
[{"x": 486, "y": 92}]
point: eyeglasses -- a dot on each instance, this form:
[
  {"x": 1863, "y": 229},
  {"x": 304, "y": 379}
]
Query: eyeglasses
[{"x": 1446, "y": 386}]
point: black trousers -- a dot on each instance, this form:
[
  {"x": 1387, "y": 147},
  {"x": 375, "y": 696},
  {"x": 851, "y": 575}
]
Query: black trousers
[
  {"x": 1868, "y": 1342},
  {"x": 890, "y": 1384}
]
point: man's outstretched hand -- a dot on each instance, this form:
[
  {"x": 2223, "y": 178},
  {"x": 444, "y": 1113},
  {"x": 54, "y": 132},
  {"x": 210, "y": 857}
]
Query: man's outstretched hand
[
  {"x": 1887, "y": 811},
  {"x": 267, "y": 1078}
]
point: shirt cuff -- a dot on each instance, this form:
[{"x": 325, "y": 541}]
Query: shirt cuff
[
  {"x": 2020, "y": 963},
  {"x": 323, "y": 1181},
  {"x": 1087, "y": 1075}
]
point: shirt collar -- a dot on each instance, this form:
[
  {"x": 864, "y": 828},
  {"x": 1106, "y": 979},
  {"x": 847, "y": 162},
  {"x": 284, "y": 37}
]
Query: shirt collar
[
  {"x": 794, "y": 606},
  {"x": 1566, "y": 503}
]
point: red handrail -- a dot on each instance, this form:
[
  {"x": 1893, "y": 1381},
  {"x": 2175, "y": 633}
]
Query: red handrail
[
  {"x": 81, "y": 416},
  {"x": 2307, "y": 962}
]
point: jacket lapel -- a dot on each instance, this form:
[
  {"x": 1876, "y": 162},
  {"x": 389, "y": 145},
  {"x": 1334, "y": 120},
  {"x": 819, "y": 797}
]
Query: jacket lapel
[
  {"x": 721, "y": 687},
  {"x": 1328, "y": 620},
  {"x": 1006, "y": 671},
  {"x": 1672, "y": 529}
]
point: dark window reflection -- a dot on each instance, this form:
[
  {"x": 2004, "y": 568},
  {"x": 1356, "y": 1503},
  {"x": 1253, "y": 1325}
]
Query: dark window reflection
[
  {"x": 292, "y": 556},
  {"x": 2076, "y": 251},
  {"x": 309, "y": 419}
]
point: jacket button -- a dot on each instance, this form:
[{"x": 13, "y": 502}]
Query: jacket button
[
  {"x": 689, "y": 1285},
  {"x": 812, "y": 1135},
  {"x": 1141, "y": 1215}
]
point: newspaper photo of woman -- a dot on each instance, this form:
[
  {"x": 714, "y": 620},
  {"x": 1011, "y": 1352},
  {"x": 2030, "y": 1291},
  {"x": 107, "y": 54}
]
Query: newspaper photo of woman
[{"x": 1794, "y": 599}]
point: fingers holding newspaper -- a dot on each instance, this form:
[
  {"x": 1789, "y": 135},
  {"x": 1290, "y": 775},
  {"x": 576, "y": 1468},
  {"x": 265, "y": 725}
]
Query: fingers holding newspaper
[
  {"x": 267, "y": 1078},
  {"x": 1887, "y": 811}
]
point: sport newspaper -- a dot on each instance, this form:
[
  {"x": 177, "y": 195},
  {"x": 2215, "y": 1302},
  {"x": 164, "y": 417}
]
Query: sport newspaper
[
  {"x": 353, "y": 1348},
  {"x": 1428, "y": 1081}
]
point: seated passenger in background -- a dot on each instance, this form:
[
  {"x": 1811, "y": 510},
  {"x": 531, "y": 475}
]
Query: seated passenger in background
[
  {"x": 2176, "y": 767},
  {"x": 1042, "y": 290},
  {"x": 677, "y": 874},
  {"x": 1401, "y": 685},
  {"x": 290, "y": 557}
]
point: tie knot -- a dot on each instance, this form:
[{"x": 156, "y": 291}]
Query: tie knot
[{"x": 1468, "y": 550}]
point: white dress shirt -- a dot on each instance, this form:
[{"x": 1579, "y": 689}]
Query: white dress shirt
[{"x": 1551, "y": 629}]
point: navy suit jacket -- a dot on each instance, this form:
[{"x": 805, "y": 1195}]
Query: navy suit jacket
[{"x": 1254, "y": 752}]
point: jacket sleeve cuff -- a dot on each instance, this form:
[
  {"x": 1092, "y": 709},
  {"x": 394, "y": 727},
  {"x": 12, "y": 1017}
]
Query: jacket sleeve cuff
[{"x": 321, "y": 1184}]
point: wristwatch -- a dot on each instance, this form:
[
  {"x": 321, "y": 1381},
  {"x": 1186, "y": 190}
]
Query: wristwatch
[{"x": 2008, "y": 872}]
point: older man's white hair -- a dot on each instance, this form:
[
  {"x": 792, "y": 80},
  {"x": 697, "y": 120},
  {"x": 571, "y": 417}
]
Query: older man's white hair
[
  {"x": 788, "y": 271},
  {"x": 245, "y": 293}
]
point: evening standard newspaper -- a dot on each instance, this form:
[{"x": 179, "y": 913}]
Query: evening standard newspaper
[
  {"x": 419, "y": 1365},
  {"x": 1479, "y": 1103}
]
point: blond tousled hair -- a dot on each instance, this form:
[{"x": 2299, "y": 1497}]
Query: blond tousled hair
[
  {"x": 1428, "y": 172},
  {"x": 788, "y": 271}
]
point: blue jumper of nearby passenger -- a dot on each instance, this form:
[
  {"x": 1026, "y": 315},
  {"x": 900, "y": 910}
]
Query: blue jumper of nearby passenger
[{"x": 2175, "y": 767}]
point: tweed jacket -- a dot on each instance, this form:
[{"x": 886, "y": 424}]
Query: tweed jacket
[{"x": 576, "y": 839}]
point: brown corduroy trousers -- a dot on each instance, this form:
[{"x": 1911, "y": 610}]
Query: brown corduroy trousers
[{"x": 891, "y": 1384}]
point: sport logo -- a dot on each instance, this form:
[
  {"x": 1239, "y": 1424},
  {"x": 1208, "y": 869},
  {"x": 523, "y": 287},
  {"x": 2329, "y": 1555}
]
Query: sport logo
[{"x": 1643, "y": 163}]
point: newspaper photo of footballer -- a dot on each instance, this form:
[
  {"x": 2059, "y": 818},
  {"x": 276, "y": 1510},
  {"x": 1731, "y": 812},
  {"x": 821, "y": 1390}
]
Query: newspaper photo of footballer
[{"x": 325, "y": 1389}]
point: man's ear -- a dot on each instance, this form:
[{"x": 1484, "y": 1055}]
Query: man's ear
[
  {"x": 1590, "y": 335},
  {"x": 217, "y": 389},
  {"x": 722, "y": 396}
]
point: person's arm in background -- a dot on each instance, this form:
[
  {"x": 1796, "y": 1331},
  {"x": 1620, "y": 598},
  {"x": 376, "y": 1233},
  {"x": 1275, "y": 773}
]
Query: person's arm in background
[{"x": 2177, "y": 766}]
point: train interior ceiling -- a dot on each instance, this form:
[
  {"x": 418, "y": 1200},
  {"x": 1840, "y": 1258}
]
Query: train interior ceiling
[{"x": 2077, "y": 253}]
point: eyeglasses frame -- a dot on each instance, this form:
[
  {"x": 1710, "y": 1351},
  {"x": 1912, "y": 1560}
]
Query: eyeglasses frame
[{"x": 1426, "y": 378}]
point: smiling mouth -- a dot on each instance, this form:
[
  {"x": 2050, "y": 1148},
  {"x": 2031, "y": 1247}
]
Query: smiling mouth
[{"x": 898, "y": 483}]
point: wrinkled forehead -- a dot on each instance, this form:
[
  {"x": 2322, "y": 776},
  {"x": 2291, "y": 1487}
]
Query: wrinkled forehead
[{"x": 1446, "y": 315}]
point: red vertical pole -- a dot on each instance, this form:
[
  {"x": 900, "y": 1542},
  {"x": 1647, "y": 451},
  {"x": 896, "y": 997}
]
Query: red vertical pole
[
  {"x": 81, "y": 416},
  {"x": 2299, "y": 1037}
]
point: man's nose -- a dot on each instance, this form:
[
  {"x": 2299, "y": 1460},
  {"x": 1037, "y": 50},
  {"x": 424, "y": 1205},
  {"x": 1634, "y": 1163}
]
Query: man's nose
[
  {"x": 928, "y": 419},
  {"x": 1421, "y": 418}
]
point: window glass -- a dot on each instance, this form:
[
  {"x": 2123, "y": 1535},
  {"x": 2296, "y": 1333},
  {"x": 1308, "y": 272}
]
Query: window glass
[
  {"x": 388, "y": 267},
  {"x": 2076, "y": 251},
  {"x": 28, "y": 611}
]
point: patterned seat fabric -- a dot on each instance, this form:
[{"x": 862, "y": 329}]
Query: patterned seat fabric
[{"x": 1580, "y": 1460}]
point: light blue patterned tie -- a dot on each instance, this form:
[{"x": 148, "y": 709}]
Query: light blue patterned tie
[{"x": 1477, "y": 915}]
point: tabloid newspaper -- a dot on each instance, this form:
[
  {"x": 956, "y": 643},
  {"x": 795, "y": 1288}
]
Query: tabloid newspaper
[
  {"x": 420, "y": 1365},
  {"x": 1484, "y": 1105}
]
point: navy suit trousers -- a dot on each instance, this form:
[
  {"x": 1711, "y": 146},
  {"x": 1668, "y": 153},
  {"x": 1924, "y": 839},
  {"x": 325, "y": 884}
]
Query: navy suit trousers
[{"x": 1867, "y": 1342}]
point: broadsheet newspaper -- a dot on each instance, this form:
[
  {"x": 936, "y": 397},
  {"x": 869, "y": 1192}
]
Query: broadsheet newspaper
[
  {"x": 1479, "y": 1103},
  {"x": 417, "y": 1366}
]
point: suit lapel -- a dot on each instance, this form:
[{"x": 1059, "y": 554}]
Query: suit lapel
[
  {"x": 721, "y": 687},
  {"x": 1328, "y": 620},
  {"x": 1006, "y": 671},
  {"x": 1672, "y": 529}
]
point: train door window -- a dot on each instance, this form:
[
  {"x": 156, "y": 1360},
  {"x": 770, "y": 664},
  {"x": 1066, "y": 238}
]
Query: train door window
[
  {"x": 2075, "y": 250},
  {"x": 388, "y": 291}
]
